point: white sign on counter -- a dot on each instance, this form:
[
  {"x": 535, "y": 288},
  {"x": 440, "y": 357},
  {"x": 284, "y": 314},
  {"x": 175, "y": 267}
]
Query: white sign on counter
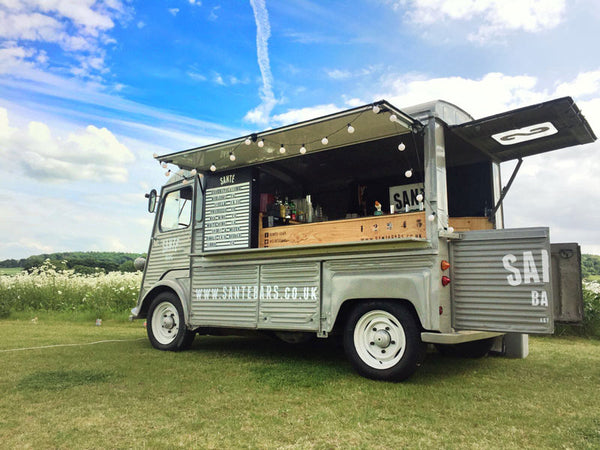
[{"x": 401, "y": 196}]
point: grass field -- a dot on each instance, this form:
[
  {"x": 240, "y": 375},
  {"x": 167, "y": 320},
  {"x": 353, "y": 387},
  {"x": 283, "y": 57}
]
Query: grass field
[
  {"x": 256, "y": 393},
  {"x": 10, "y": 270}
]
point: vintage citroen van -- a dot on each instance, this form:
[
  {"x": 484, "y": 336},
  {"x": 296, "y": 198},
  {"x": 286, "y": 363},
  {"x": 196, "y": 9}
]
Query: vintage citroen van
[{"x": 380, "y": 225}]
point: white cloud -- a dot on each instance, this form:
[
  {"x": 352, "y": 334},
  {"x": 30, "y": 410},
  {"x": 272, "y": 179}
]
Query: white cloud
[
  {"x": 490, "y": 18},
  {"x": 213, "y": 13},
  {"x": 587, "y": 83},
  {"x": 494, "y": 92},
  {"x": 299, "y": 115},
  {"x": 92, "y": 154},
  {"x": 173, "y": 11},
  {"x": 261, "y": 113},
  {"x": 337, "y": 74},
  {"x": 80, "y": 28},
  {"x": 45, "y": 222}
]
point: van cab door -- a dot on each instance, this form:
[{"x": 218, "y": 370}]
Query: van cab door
[{"x": 171, "y": 240}]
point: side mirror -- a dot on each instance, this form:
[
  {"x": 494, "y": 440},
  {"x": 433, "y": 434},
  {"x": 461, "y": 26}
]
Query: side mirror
[{"x": 152, "y": 196}]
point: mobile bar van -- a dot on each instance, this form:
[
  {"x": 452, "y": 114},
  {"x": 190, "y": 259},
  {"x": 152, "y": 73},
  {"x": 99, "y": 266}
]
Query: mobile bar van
[{"x": 379, "y": 225}]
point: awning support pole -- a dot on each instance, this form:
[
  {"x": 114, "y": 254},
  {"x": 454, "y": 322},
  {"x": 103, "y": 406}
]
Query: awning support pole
[{"x": 505, "y": 189}]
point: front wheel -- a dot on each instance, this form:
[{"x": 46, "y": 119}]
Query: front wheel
[
  {"x": 166, "y": 324},
  {"x": 383, "y": 341}
]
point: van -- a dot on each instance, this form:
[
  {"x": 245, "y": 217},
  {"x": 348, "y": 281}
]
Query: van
[{"x": 379, "y": 225}]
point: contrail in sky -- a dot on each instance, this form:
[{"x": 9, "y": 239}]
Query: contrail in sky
[{"x": 261, "y": 113}]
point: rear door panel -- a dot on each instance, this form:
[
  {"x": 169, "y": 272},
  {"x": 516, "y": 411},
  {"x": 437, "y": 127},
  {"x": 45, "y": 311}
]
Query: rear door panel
[{"x": 502, "y": 281}]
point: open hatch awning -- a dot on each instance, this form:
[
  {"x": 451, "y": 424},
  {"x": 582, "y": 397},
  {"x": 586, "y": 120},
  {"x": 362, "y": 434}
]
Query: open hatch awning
[
  {"x": 528, "y": 131},
  {"x": 370, "y": 122}
]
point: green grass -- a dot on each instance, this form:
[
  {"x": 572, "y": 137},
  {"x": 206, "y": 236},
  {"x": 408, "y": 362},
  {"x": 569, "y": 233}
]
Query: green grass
[
  {"x": 10, "y": 270},
  {"x": 257, "y": 393}
]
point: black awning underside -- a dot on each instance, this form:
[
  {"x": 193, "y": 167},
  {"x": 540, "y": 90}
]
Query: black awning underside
[{"x": 528, "y": 131}]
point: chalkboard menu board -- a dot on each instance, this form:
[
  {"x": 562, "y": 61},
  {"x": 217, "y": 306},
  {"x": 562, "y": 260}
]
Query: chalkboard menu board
[{"x": 227, "y": 211}]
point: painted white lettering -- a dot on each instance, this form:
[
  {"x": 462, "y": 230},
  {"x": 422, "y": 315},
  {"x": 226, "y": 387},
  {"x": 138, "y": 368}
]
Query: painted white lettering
[
  {"x": 535, "y": 298},
  {"x": 294, "y": 293},
  {"x": 286, "y": 294},
  {"x": 544, "y": 299},
  {"x": 545, "y": 267},
  {"x": 530, "y": 273},
  {"x": 539, "y": 298},
  {"x": 275, "y": 292},
  {"x": 306, "y": 293},
  {"x": 313, "y": 293},
  {"x": 515, "y": 278}
]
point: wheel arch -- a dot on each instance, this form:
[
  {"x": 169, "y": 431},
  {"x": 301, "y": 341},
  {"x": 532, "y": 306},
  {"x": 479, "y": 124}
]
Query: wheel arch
[
  {"x": 164, "y": 286},
  {"x": 348, "y": 305}
]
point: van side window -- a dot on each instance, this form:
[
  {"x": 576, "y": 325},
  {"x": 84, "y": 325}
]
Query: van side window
[{"x": 177, "y": 210}]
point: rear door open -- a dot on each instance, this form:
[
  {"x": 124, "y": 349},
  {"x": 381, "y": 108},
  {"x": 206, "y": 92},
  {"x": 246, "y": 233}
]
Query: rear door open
[{"x": 503, "y": 279}]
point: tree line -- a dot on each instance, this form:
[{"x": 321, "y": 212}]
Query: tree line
[
  {"x": 80, "y": 262},
  {"x": 590, "y": 265}
]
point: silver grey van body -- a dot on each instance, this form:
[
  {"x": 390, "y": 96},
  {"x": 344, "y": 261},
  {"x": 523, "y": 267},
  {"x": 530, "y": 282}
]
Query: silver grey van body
[{"x": 217, "y": 262}]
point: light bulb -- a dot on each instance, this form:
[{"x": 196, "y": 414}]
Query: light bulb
[
  {"x": 325, "y": 141},
  {"x": 155, "y": 155},
  {"x": 231, "y": 156},
  {"x": 408, "y": 173},
  {"x": 282, "y": 149},
  {"x": 261, "y": 143},
  {"x": 350, "y": 129},
  {"x": 376, "y": 109},
  {"x": 184, "y": 182},
  {"x": 420, "y": 198},
  {"x": 213, "y": 167},
  {"x": 401, "y": 146},
  {"x": 450, "y": 230},
  {"x": 167, "y": 173},
  {"x": 393, "y": 118},
  {"x": 163, "y": 165},
  {"x": 248, "y": 141},
  {"x": 303, "y": 149},
  {"x": 431, "y": 217},
  {"x": 193, "y": 172}
]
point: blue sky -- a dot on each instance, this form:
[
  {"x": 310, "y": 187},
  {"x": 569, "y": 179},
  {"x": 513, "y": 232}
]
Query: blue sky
[{"x": 90, "y": 89}]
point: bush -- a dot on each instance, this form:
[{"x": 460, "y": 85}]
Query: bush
[
  {"x": 49, "y": 289},
  {"x": 590, "y": 327}
]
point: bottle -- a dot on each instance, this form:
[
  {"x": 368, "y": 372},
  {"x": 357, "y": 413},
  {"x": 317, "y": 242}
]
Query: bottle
[
  {"x": 281, "y": 209},
  {"x": 292, "y": 210},
  {"x": 288, "y": 211},
  {"x": 309, "y": 209}
]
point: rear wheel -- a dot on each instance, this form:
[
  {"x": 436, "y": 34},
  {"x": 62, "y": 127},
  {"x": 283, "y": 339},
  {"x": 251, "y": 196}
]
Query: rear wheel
[
  {"x": 166, "y": 324},
  {"x": 383, "y": 341}
]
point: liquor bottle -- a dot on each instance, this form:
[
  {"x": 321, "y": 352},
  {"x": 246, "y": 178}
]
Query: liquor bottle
[
  {"x": 309, "y": 209},
  {"x": 288, "y": 212},
  {"x": 292, "y": 210}
]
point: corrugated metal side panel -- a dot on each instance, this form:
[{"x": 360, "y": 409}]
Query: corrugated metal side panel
[
  {"x": 289, "y": 296},
  {"x": 501, "y": 281},
  {"x": 168, "y": 252},
  {"x": 225, "y": 296},
  {"x": 198, "y": 237}
]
